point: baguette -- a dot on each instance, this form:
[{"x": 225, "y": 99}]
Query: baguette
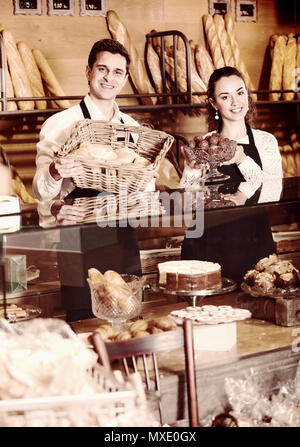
[
  {"x": 181, "y": 76},
  {"x": 32, "y": 73},
  {"x": 154, "y": 67},
  {"x": 289, "y": 67},
  {"x": 275, "y": 82},
  {"x": 49, "y": 78},
  {"x": 11, "y": 105},
  {"x": 273, "y": 39},
  {"x": 19, "y": 78},
  {"x": 239, "y": 63},
  {"x": 204, "y": 63},
  {"x": 224, "y": 40},
  {"x": 298, "y": 67},
  {"x": 213, "y": 41},
  {"x": 195, "y": 78},
  {"x": 137, "y": 71}
]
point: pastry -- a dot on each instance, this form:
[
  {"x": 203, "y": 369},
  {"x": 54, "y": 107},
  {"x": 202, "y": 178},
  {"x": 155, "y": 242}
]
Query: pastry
[
  {"x": 212, "y": 148},
  {"x": 272, "y": 272},
  {"x": 139, "y": 325}
]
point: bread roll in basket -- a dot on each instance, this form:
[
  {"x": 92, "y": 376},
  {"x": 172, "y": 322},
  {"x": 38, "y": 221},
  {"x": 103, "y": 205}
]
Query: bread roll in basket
[{"x": 115, "y": 157}]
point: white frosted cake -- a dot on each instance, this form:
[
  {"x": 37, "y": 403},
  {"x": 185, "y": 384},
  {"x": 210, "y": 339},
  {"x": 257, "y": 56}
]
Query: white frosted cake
[{"x": 189, "y": 275}]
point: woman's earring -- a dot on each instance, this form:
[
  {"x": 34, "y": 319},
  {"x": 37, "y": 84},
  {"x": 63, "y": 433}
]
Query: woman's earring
[{"x": 217, "y": 114}]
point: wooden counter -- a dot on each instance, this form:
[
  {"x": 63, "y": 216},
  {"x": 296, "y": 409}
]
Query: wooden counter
[{"x": 261, "y": 346}]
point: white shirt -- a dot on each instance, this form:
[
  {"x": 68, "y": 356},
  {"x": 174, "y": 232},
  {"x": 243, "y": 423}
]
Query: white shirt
[{"x": 54, "y": 133}]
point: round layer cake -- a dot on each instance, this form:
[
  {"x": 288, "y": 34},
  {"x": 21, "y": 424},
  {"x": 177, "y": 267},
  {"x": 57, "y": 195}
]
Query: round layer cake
[{"x": 189, "y": 275}]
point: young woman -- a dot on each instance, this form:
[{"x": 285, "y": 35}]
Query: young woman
[
  {"x": 231, "y": 111},
  {"x": 244, "y": 235}
]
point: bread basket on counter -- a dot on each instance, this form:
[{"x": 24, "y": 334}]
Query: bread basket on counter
[{"x": 113, "y": 176}]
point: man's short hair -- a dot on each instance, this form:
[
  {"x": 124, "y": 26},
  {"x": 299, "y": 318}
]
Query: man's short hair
[{"x": 112, "y": 46}]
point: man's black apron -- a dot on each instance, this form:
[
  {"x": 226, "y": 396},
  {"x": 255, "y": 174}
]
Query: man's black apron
[
  {"x": 83, "y": 247},
  {"x": 236, "y": 238}
]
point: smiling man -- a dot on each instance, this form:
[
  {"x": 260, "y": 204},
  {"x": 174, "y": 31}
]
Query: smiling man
[{"x": 107, "y": 73}]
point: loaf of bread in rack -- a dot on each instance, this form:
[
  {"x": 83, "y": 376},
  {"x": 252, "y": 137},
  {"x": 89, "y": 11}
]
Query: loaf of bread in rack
[
  {"x": 154, "y": 67},
  {"x": 239, "y": 62},
  {"x": 49, "y": 78},
  {"x": 213, "y": 41},
  {"x": 138, "y": 72},
  {"x": 275, "y": 82},
  {"x": 19, "y": 78},
  {"x": 298, "y": 62},
  {"x": 289, "y": 67},
  {"x": 11, "y": 105},
  {"x": 272, "y": 42},
  {"x": 33, "y": 74},
  {"x": 204, "y": 63},
  {"x": 224, "y": 40}
]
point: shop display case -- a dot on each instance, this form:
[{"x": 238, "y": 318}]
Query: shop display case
[{"x": 62, "y": 254}]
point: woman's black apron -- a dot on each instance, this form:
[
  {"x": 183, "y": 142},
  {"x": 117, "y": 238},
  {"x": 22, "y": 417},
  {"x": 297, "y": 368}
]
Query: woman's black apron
[
  {"x": 236, "y": 238},
  {"x": 83, "y": 247}
]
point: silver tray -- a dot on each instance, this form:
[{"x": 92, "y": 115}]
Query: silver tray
[
  {"x": 289, "y": 293},
  {"x": 31, "y": 312},
  {"x": 191, "y": 296}
]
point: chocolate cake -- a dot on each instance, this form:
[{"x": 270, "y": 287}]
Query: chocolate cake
[{"x": 189, "y": 275}]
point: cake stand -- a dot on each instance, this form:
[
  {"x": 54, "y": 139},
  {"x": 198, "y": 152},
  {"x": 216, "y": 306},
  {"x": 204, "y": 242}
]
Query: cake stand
[
  {"x": 193, "y": 297},
  {"x": 214, "y": 175}
]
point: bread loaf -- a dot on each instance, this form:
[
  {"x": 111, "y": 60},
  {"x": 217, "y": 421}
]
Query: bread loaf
[
  {"x": 33, "y": 74},
  {"x": 49, "y": 78},
  {"x": 17, "y": 71},
  {"x": 289, "y": 67},
  {"x": 137, "y": 72},
  {"x": 154, "y": 67},
  {"x": 224, "y": 40},
  {"x": 213, "y": 41},
  {"x": 11, "y": 105},
  {"x": 298, "y": 67},
  {"x": 204, "y": 63},
  {"x": 239, "y": 63},
  {"x": 275, "y": 82},
  {"x": 195, "y": 77},
  {"x": 273, "y": 39}
]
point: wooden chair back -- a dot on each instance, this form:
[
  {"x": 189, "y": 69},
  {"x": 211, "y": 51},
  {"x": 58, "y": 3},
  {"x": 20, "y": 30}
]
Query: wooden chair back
[{"x": 147, "y": 348}]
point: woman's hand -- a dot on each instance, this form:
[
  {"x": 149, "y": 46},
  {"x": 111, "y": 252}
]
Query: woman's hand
[
  {"x": 64, "y": 168},
  {"x": 238, "y": 158},
  {"x": 239, "y": 198}
]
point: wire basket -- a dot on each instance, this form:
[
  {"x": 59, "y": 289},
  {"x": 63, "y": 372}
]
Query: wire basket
[{"x": 113, "y": 176}]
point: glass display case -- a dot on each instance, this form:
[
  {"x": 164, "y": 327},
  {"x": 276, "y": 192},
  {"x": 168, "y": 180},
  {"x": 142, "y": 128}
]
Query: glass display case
[{"x": 47, "y": 248}]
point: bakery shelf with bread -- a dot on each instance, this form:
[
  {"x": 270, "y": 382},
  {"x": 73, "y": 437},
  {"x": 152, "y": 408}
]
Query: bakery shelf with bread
[
  {"x": 28, "y": 80},
  {"x": 116, "y": 157}
]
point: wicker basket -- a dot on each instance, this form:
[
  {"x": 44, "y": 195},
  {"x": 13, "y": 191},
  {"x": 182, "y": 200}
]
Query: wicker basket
[{"x": 114, "y": 177}]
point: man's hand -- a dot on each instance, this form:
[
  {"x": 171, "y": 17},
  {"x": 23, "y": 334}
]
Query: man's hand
[
  {"x": 64, "y": 168},
  {"x": 238, "y": 158},
  {"x": 66, "y": 214}
]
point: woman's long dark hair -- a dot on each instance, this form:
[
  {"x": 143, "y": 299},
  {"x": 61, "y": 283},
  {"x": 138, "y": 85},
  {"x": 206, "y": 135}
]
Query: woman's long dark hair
[{"x": 214, "y": 124}]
